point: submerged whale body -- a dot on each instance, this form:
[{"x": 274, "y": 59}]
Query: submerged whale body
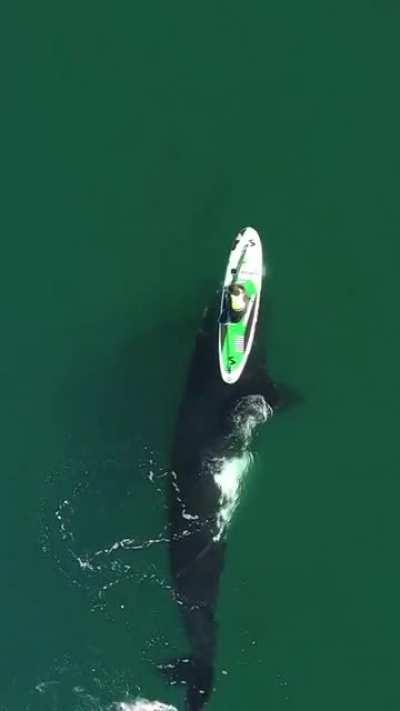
[{"x": 210, "y": 455}]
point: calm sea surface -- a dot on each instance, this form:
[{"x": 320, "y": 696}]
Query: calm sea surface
[{"x": 138, "y": 138}]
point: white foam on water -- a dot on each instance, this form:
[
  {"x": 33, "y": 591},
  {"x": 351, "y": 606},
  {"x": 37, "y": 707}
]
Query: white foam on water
[
  {"x": 229, "y": 477},
  {"x": 104, "y": 564},
  {"x": 144, "y": 705},
  {"x": 43, "y": 686},
  {"x": 229, "y": 471}
]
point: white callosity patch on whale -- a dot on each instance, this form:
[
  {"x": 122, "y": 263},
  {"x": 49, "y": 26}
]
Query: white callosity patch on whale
[
  {"x": 249, "y": 412},
  {"x": 229, "y": 471}
]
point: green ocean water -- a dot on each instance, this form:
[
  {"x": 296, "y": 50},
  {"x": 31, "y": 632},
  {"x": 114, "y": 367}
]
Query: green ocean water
[{"x": 137, "y": 140}]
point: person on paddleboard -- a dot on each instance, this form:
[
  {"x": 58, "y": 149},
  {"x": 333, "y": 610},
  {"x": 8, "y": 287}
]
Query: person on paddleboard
[{"x": 238, "y": 301}]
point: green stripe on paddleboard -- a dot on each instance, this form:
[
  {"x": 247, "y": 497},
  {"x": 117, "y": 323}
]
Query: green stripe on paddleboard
[{"x": 233, "y": 349}]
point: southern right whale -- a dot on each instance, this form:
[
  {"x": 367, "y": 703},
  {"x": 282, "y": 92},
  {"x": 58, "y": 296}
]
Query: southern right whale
[{"x": 209, "y": 456}]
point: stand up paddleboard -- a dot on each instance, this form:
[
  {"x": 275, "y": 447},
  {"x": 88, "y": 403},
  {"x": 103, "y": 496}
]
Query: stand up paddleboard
[{"x": 236, "y": 330}]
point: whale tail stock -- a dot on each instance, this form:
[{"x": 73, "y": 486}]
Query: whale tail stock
[{"x": 194, "y": 673}]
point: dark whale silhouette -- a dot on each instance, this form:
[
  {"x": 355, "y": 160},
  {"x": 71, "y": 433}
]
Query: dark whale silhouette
[{"x": 213, "y": 429}]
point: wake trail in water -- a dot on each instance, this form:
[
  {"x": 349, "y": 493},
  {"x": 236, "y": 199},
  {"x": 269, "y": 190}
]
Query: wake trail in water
[{"x": 81, "y": 518}]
